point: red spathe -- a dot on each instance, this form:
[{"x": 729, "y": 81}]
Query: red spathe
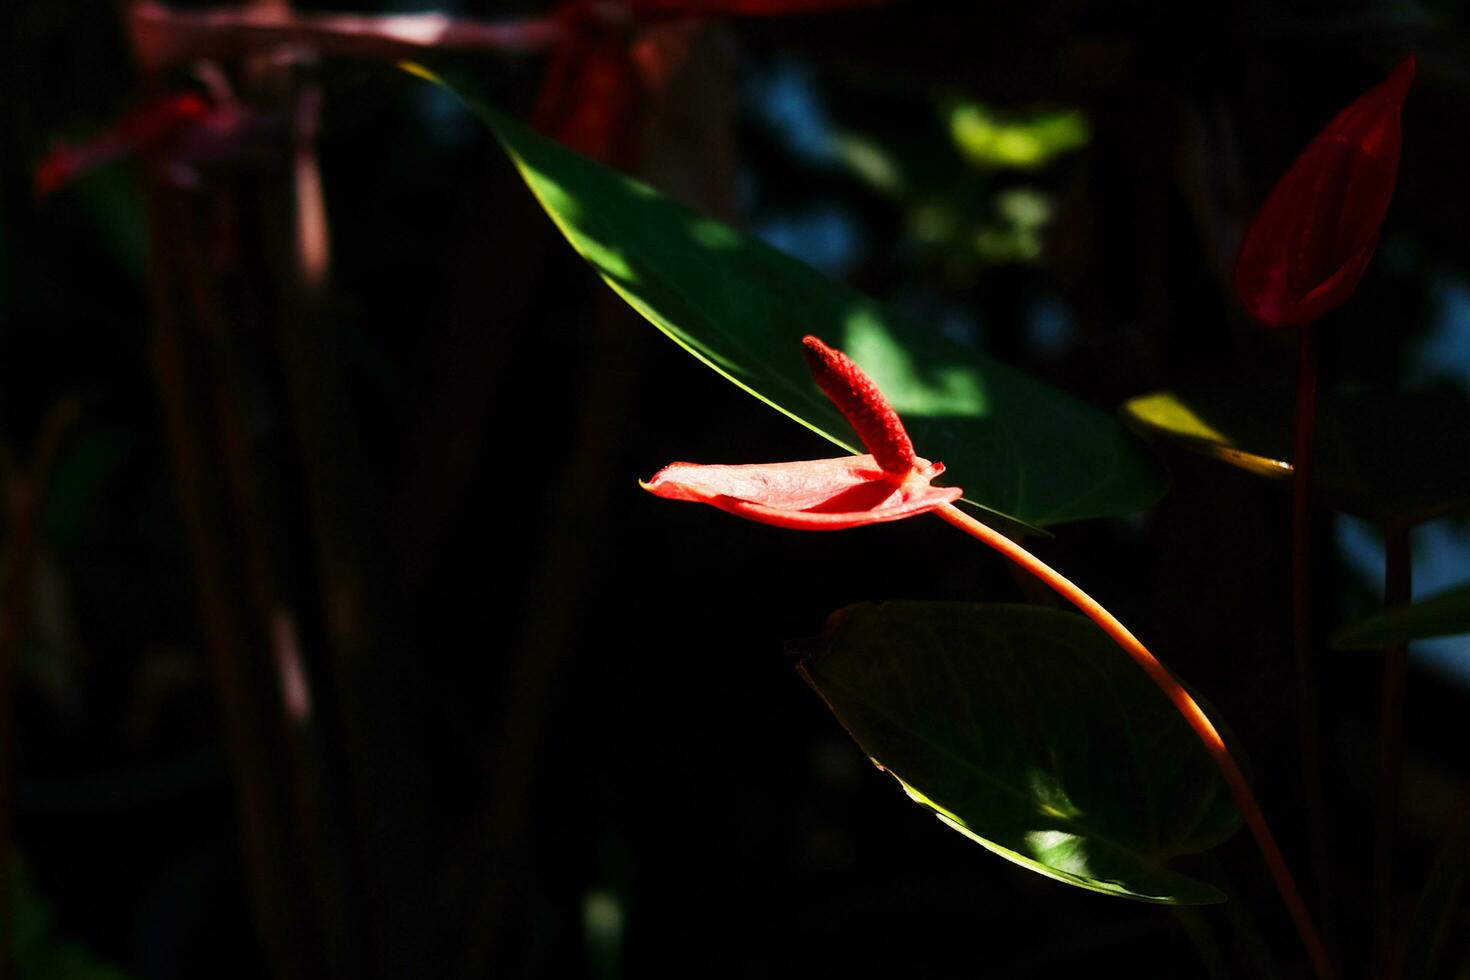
[
  {"x": 1310, "y": 242},
  {"x": 812, "y": 495}
]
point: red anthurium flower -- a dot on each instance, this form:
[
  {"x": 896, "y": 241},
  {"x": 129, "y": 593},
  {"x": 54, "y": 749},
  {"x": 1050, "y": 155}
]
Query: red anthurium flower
[
  {"x": 889, "y": 483},
  {"x": 1308, "y": 246}
]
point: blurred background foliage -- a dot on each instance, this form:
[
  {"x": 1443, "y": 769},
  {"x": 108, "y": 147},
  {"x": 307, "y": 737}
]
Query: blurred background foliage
[{"x": 551, "y": 725}]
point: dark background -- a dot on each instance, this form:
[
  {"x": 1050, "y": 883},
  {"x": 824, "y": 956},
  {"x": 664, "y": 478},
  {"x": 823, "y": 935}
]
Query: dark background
[{"x": 555, "y": 729}]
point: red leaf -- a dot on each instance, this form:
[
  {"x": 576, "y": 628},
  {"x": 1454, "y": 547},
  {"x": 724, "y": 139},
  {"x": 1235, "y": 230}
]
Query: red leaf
[
  {"x": 1312, "y": 239},
  {"x": 144, "y": 128},
  {"x": 812, "y": 495}
]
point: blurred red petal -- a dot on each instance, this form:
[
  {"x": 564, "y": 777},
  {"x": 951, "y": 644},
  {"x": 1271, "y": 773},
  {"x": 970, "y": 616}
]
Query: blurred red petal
[
  {"x": 589, "y": 100},
  {"x": 1309, "y": 244},
  {"x": 145, "y": 128},
  {"x": 815, "y": 495}
]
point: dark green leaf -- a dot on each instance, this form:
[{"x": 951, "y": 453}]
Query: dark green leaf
[
  {"x": 1026, "y": 729},
  {"x": 1392, "y": 458},
  {"x": 1438, "y": 906},
  {"x": 1020, "y": 449},
  {"x": 88, "y": 461},
  {"x": 40, "y": 953},
  {"x": 1445, "y": 614}
]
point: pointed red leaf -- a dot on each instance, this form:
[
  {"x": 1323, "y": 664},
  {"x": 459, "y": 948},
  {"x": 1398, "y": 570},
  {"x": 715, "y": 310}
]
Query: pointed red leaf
[
  {"x": 1312, "y": 239},
  {"x": 814, "y": 495},
  {"x": 143, "y": 129}
]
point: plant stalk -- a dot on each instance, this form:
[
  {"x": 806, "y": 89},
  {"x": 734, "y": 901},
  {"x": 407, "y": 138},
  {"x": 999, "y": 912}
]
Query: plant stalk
[
  {"x": 1308, "y": 723},
  {"x": 164, "y": 37},
  {"x": 1398, "y": 568},
  {"x": 1192, "y": 713}
]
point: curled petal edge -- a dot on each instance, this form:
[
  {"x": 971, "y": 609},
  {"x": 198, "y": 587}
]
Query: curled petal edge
[{"x": 814, "y": 495}]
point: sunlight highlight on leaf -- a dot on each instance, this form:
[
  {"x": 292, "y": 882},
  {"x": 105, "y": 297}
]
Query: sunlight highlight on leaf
[
  {"x": 987, "y": 138},
  {"x": 1022, "y": 728},
  {"x": 950, "y": 391}
]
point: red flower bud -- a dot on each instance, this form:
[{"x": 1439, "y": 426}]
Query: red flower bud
[{"x": 1312, "y": 239}]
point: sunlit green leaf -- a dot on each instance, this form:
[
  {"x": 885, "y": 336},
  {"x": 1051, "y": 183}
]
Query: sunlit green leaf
[
  {"x": 1024, "y": 451},
  {"x": 1241, "y": 428},
  {"x": 1028, "y": 731},
  {"x": 1387, "y": 457},
  {"x": 1443, "y": 615}
]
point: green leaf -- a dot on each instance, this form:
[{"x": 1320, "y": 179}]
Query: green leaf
[
  {"x": 1445, "y": 614},
  {"x": 1225, "y": 423},
  {"x": 988, "y": 139},
  {"x": 41, "y": 953},
  {"x": 1020, "y": 449},
  {"x": 1389, "y": 457},
  {"x": 1027, "y": 730}
]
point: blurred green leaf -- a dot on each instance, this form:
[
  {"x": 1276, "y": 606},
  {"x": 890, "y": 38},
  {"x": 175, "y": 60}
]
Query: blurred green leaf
[
  {"x": 1389, "y": 457},
  {"x": 991, "y": 139},
  {"x": 1027, "y": 453},
  {"x": 88, "y": 461},
  {"x": 1445, "y": 614},
  {"x": 1026, "y": 729},
  {"x": 1438, "y": 906},
  {"x": 113, "y": 202},
  {"x": 41, "y": 954}
]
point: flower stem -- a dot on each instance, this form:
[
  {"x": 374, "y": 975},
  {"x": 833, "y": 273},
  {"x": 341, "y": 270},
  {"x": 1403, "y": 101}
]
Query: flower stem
[
  {"x": 1397, "y": 570},
  {"x": 164, "y": 37},
  {"x": 1193, "y": 714},
  {"x": 1301, "y": 613}
]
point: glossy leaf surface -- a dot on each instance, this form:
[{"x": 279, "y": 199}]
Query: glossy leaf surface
[
  {"x": 1025, "y": 729},
  {"x": 1446, "y": 614},
  {"x": 1387, "y": 457},
  {"x": 1020, "y": 449}
]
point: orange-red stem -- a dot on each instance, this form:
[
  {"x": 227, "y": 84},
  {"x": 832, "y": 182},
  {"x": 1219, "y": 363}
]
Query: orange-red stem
[{"x": 1193, "y": 714}]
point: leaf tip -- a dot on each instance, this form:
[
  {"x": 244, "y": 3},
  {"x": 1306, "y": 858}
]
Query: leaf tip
[{"x": 414, "y": 68}]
